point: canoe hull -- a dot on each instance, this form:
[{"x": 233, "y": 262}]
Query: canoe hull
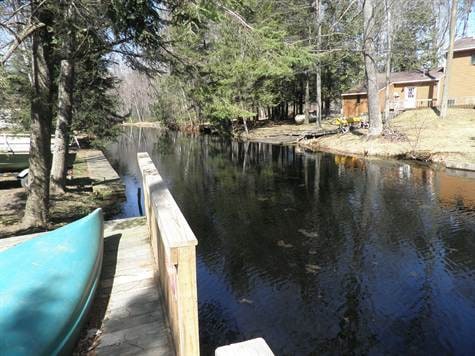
[{"x": 47, "y": 286}]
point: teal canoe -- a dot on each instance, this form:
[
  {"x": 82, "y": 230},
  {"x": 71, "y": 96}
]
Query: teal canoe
[{"x": 47, "y": 285}]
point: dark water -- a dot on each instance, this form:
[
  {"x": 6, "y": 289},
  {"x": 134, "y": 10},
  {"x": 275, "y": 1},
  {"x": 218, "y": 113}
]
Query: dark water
[{"x": 319, "y": 254}]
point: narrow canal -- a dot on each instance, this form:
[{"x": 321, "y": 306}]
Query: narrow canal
[{"x": 317, "y": 253}]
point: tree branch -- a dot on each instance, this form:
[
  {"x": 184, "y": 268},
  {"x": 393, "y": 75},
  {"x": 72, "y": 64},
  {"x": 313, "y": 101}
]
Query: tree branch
[
  {"x": 19, "y": 39},
  {"x": 237, "y": 17}
]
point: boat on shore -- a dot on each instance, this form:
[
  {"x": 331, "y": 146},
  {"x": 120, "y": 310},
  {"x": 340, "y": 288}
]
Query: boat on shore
[
  {"x": 15, "y": 152},
  {"x": 47, "y": 286}
]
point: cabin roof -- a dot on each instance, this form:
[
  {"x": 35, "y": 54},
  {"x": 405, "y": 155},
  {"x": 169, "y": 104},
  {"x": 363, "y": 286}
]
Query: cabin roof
[
  {"x": 400, "y": 78},
  {"x": 464, "y": 43}
]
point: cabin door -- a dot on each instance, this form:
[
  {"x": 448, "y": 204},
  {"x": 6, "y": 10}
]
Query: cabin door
[{"x": 410, "y": 97}]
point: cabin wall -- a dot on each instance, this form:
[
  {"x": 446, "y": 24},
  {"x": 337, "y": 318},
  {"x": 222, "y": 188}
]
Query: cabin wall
[
  {"x": 462, "y": 76},
  {"x": 351, "y": 107},
  {"x": 424, "y": 90}
]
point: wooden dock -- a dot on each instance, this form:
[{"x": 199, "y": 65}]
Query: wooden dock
[
  {"x": 127, "y": 317},
  {"x": 105, "y": 180}
]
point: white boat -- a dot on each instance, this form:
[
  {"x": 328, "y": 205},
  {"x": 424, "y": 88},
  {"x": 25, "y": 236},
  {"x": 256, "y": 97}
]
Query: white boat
[{"x": 15, "y": 152}]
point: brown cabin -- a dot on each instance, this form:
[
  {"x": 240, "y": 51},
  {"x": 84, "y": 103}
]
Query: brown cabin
[{"x": 418, "y": 89}]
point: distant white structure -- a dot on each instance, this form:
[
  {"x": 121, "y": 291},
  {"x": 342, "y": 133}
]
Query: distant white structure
[
  {"x": 300, "y": 118},
  {"x": 253, "y": 347}
]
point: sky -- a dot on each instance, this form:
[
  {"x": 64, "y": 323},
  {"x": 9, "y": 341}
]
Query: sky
[{"x": 471, "y": 25}]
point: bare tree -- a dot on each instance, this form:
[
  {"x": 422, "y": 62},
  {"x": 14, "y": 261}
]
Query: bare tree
[
  {"x": 467, "y": 10},
  {"x": 448, "y": 65},
  {"x": 318, "y": 71},
  {"x": 387, "y": 6},
  {"x": 369, "y": 35},
  {"x": 136, "y": 92}
]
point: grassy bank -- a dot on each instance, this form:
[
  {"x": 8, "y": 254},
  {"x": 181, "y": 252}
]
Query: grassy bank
[{"x": 417, "y": 134}]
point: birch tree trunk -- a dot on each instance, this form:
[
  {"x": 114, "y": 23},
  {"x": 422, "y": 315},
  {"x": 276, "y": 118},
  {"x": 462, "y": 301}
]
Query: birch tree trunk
[
  {"x": 318, "y": 72},
  {"x": 37, "y": 202},
  {"x": 388, "y": 60},
  {"x": 374, "y": 115},
  {"x": 65, "y": 111},
  {"x": 448, "y": 65}
]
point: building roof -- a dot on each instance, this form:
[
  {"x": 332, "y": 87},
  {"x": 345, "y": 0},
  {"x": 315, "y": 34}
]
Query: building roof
[
  {"x": 464, "y": 43},
  {"x": 400, "y": 77}
]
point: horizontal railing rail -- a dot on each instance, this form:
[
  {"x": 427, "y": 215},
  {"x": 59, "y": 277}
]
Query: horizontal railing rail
[{"x": 173, "y": 245}]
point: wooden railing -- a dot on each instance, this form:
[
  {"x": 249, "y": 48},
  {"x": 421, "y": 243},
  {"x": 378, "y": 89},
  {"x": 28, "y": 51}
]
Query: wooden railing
[
  {"x": 173, "y": 244},
  {"x": 462, "y": 101}
]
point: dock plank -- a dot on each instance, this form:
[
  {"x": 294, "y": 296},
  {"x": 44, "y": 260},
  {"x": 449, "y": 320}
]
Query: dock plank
[{"x": 134, "y": 321}]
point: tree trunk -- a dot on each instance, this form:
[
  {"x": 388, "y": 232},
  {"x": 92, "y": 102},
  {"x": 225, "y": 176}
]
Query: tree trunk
[
  {"x": 448, "y": 65},
  {"x": 375, "y": 123},
  {"x": 318, "y": 70},
  {"x": 318, "y": 82},
  {"x": 467, "y": 11},
  {"x": 307, "y": 98},
  {"x": 37, "y": 202},
  {"x": 65, "y": 110},
  {"x": 388, "y": 61},
  {"x": 63, "y": 125},
  {"x": 300, "y": 109},
  {"x": 327, "y": 106},
  {"x": 244, "y": 121}
]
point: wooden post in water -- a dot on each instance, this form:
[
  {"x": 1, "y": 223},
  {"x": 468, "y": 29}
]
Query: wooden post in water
[{"x": 173, "y": 244}]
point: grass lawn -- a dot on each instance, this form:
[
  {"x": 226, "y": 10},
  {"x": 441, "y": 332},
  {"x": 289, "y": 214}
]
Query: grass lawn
[{"x": 421, "y": 135}]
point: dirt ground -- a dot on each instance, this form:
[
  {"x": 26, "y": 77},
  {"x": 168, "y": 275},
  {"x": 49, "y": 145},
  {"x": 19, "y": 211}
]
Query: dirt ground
[
  {"x": 417, "y": 134},
  {"x": 77, "y": 202},
  {"x": 285, "y": 132}
]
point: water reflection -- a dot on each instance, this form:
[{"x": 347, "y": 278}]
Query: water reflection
[{"x": 319, "y": 254}]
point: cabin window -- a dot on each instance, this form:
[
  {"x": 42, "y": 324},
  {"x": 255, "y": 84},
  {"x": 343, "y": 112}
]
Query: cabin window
[
  {"x": 473, "y": 59},
  {"x": 358, "y": 99}
]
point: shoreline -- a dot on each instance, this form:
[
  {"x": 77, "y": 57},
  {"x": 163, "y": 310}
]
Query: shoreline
[
  {"x": 417, "y": 136},
  {"x": 150, "y": 124}
]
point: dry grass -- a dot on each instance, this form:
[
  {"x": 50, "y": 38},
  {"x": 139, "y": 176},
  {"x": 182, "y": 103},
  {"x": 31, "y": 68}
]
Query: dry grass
[{"x": 427, "y": 137}]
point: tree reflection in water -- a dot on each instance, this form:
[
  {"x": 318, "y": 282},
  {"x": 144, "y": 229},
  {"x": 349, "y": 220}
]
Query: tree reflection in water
[{"x": 319, "y": 253}]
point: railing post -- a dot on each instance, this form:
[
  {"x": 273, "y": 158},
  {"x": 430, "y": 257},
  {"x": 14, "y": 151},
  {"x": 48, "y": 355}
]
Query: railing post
[{"x": 188, "y": 301}]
